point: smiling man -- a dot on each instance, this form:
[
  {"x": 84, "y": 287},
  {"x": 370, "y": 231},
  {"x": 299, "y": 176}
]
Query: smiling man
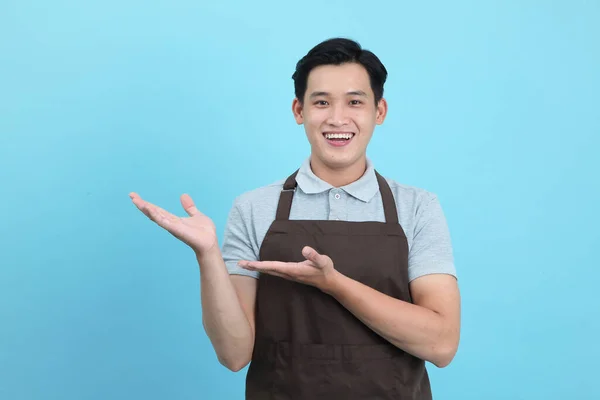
[{"x": 335, "y": 283}]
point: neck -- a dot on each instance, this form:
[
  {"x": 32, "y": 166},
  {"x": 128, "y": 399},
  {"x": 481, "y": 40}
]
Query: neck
[{"x": 341, "y": 176}]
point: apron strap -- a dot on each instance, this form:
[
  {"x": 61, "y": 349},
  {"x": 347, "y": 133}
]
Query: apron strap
[
  {"x": 289, "y": 187},
  {"x": 285, "y": 198},
  {"x": 389, "y": 205}
]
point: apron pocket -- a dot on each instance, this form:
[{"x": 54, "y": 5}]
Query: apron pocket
[{"x": 335, "y": 372}]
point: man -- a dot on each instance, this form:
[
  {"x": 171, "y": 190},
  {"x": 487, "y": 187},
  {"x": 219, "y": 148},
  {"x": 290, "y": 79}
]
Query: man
[{"x": 334, "y": 283}]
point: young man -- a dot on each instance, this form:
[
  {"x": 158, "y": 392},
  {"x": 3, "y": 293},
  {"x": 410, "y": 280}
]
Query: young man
[{"x": 334, "y": 283}]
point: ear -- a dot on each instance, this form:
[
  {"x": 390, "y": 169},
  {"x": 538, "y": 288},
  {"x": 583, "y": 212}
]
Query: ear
[
  {"x": 297, "y": 109},
  {"x": 382, "y": 108}
]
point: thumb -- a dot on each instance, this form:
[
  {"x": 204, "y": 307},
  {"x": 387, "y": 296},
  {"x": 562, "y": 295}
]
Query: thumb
[
  {"x": 188, "y": 205},
  {"x": 312, "y": 255}
]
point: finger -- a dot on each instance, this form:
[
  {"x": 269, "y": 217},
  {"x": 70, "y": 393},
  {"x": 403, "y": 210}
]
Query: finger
[
  {"x": 269, "y": 267},
  {"x": 266, "y": 268},
  {"x": 139, "y": 203},
  {"x": 188, "y": 205},
  {"x": 312, "y": 255},
  {"x": 155, "y": 213},
  {"x": 137, "y": 200}
]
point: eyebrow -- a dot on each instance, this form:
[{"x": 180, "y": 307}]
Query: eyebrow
[
  {"x": 352, "y": 93},
  {"x": 357, "y": 93}
]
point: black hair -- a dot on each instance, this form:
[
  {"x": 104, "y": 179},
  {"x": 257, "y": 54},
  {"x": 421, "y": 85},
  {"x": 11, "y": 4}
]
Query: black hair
[{"x": 339, "y": 51}]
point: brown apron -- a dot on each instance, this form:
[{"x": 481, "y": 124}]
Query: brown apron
[{"x": 307, "y": 345}]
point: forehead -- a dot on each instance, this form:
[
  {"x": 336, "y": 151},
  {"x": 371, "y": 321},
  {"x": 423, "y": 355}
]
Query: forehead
[{"x": 338, "y": 79}]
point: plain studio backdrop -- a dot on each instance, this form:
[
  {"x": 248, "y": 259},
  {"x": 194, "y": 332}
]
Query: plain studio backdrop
[{"x": 494, "y": 106}]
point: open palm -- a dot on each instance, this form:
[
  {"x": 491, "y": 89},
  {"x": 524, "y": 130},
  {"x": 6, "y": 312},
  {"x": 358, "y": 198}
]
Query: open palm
[{"x": 197, "y": 231}]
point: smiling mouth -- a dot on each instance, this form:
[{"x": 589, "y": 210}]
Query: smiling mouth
[
  {"x": 338, "y": 139},
  {"x": 338, "y": 136}
]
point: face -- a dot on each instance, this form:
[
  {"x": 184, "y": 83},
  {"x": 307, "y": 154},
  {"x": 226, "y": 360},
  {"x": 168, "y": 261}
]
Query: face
[{"x": 339, "y": 114}]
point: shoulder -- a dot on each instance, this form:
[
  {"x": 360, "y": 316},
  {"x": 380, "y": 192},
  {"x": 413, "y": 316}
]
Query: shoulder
[
  {"x": 409, "y": 196},
  {"x": 259, "y": 198}
]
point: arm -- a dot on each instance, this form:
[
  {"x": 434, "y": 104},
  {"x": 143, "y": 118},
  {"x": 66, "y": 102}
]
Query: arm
[
  {"x": 229, "y": 297},
  {"x": 227, "y": 311},
  {"x": 428, "y": 329},
  {"x": 227, "y": 302}
]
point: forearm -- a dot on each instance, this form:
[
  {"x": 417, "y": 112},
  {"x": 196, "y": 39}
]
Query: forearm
[
  {"x": 417, "y": 330},
  {"x": 223, "y": 317}
]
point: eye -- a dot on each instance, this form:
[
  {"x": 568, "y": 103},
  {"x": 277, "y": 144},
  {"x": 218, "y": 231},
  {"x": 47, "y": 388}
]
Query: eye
[
  {"x": 321, "y": 103},
  {"x": 355, "y": 102}
]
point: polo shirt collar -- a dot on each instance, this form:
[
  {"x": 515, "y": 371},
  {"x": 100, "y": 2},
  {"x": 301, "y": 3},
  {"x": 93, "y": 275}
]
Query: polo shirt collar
[{"x": 363, "y": 189}]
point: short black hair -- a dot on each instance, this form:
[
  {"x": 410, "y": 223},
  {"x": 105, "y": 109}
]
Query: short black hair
[{"x": 337, "y": 51}]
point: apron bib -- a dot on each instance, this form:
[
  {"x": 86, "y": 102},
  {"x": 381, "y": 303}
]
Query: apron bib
[{"x": 307, "y": 345}]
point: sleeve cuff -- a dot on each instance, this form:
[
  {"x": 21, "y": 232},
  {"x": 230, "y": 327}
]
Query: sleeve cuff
[{"x": 419, "y": 270}]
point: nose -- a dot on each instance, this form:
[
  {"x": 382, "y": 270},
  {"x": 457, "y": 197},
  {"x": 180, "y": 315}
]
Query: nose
[{"x": 337, "y": 115}]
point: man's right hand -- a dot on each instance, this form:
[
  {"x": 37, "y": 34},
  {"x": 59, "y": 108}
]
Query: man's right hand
[{"x": 197, "y": 231}]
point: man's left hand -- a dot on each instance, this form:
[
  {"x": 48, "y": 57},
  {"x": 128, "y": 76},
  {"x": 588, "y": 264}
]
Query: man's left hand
[{"x": 317, "y": 270}]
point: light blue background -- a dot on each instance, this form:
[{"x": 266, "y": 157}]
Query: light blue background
[{"x": 494, "y": 106}]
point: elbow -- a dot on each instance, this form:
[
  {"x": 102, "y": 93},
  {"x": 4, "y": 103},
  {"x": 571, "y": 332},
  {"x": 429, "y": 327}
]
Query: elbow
[
  {"x": 234, "y": 365},
  {"x": 229, "y": 358},
  {"x": 442, "y": 361},
  {"x": 443, "y": 356},
  {"x": 445, "y": 349}
]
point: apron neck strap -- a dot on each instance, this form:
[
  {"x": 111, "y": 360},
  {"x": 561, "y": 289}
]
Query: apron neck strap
[
  {"x": 389, "y": 205},
  {"x": 289, "y": 187},
  {"x": 285, "y": 198}
]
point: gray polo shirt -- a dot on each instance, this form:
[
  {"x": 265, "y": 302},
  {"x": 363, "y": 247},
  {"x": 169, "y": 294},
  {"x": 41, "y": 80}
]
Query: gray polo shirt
[{"x": 419, "y": 213}]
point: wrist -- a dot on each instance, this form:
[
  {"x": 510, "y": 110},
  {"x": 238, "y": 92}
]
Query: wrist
[
  {"x": 333, "y": 282},
  {"x": 208, "y": 256}
]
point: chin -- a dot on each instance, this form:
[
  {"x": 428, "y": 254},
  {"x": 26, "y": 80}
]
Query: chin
[{"x": 335, "y": 161}]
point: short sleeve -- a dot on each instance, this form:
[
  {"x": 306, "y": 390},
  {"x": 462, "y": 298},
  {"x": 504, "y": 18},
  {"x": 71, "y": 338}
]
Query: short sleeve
[
  {"x": 237, "y": 244},
  {"x": 431, "y": 249}
]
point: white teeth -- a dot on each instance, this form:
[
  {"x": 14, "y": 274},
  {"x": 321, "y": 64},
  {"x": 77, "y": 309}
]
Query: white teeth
[{"x": 339, "y": 135}]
